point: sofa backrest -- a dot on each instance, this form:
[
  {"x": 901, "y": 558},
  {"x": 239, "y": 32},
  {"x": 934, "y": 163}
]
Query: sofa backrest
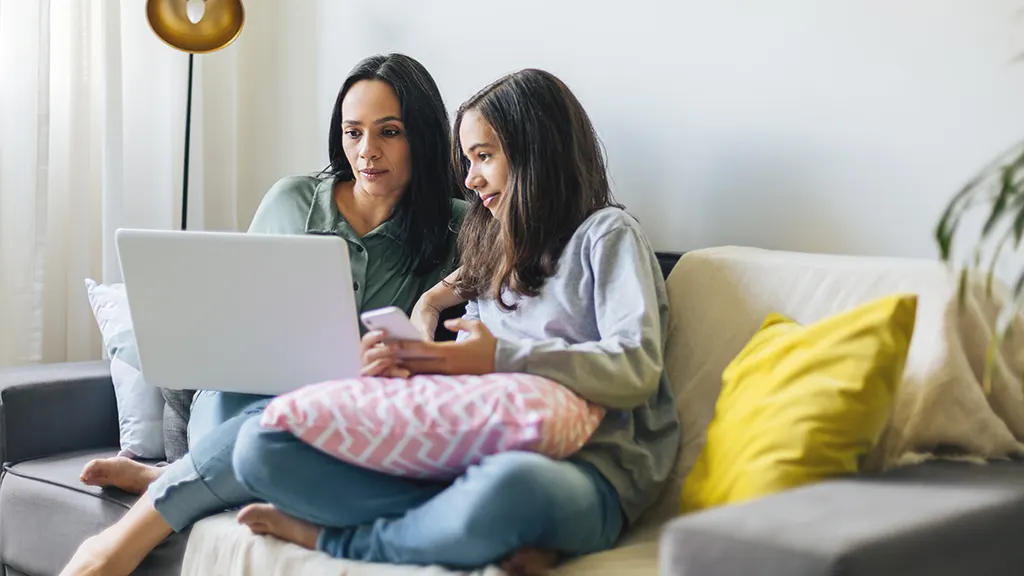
[{"x": 719, "y": 297}]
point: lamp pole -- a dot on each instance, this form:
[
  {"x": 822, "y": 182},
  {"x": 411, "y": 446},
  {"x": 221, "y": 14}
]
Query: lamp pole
[{"x": 188, "y": 134}]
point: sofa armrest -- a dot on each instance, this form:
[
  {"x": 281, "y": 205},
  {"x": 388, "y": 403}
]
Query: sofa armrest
[
  {"x": 938, "y": 518},
  {"x": 51, "y": 409}
]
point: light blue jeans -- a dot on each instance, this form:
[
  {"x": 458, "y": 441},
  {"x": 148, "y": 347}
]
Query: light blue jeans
[
  {"x": 507, "y": 502},
  {"x": 203, "y": 482}
]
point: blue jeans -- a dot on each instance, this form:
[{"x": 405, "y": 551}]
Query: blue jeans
[
  {"x": 507, "y": 502},
  {"x": 203, "y": 482}
]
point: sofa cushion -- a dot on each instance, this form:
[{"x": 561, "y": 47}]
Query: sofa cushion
[
  {"x": 719, "y": 297},
  {"x": 45, "y": 513},
  {"x": 938, "y": 518},
  {"x": 800, "y": 404},
  {"x": 177, "y": 411},
  {"x": 432, "y": 426},
  {"x": 140, "y": 407}
]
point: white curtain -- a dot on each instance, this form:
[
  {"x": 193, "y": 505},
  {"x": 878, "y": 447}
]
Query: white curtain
[{"x": 92, "y": 109}]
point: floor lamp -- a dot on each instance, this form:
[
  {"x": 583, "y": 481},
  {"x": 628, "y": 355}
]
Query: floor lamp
[{"x": 196, "y": 27}]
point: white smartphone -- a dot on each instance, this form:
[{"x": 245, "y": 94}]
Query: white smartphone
[{"x": 393, "y": 321}]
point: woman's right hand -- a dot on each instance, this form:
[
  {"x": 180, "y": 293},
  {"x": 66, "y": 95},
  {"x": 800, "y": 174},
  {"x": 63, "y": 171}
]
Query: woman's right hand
[
  {"x": 379, "y": 358},
  {"x": 424, "y": 317},
  {"x": 428, "y": 308}
]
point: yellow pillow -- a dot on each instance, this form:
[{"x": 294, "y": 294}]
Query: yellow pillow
[{"x": 802, "y": 403}]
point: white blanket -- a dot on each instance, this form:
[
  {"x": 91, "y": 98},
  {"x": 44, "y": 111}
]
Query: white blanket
[{"x": 219, "y": 546}]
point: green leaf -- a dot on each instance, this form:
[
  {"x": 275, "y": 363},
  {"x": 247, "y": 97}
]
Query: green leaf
[
  {"x": 950, "y": 219},
  {"x": 999, "y": 206},
  {"x": 961, "y": 291},
  {"x": 1018, "y": 287},
  {"x": 1018, "y": 225},
  {"x": 946, "y": 229}
]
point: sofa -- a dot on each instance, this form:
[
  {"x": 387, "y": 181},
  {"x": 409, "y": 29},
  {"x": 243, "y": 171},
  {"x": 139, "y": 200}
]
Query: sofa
[{"x": 937, "y": 517}]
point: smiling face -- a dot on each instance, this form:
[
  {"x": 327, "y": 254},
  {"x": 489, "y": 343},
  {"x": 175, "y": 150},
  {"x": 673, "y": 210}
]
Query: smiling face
[
  {"x": 488, "y": 165},
  {"x": 373, "y": 136}
]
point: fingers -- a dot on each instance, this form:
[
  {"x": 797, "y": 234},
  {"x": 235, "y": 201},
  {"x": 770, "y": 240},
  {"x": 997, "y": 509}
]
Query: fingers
[
  {"x": 398, "y": 372},
  {"x": 371, "y": 339},
  {"x": 380, "y": 352},
  {"x": 385, "y": 368},
  {"x": 379, "y": 367},
  {"x": 459, "y": 325}
]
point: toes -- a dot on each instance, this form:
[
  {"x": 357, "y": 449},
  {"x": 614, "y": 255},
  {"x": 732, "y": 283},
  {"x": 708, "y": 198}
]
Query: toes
[
  {"x": 253, "y": 513},
  {"x": 258, "y": 528},
  {"x": 89, "y": 470},
  {"x": 529, "y": 562},
  {"x": 92, "y": 473}
]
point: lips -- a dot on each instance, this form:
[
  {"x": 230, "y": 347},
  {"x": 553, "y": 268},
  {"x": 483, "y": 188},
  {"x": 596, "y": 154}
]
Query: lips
[
  {"x": 488, "y": 198},
  {"x": 372, "y": 173}
]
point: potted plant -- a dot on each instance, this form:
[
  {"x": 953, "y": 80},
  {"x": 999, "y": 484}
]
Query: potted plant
[{"x": 999, "y": 187}]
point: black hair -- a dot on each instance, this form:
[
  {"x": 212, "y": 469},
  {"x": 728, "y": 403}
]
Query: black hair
[{"x": 423, "y": 215}]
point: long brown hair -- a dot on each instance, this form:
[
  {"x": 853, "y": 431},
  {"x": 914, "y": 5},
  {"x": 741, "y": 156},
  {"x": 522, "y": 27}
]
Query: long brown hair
[{"x": 557, "y": 179}]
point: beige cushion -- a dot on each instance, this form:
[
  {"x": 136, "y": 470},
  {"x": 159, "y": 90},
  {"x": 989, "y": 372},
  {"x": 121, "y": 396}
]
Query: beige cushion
[{"x": 720, "y": 296}]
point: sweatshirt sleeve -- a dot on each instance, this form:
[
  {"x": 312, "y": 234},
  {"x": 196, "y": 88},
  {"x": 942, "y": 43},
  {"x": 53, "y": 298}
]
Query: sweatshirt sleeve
[
  {"x": 621, "y": 370},
  {"x": 472, "y": 313}
]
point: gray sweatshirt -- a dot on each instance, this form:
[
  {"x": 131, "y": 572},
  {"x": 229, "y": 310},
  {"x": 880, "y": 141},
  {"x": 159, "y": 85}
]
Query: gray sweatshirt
[{"x": 599, "y": 328}]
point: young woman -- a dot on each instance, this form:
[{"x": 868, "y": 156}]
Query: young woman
[
  {"x": 390, "y": 192},
  {"x": 563, "y": 285}
]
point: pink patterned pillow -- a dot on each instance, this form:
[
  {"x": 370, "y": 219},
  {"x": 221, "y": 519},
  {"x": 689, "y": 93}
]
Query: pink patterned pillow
[{"x": 435, "y": 426}]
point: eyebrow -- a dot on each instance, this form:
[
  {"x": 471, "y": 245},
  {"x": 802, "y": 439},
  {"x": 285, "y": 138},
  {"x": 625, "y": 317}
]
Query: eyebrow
[
  {"x": 383, "y": 120},
  {"x": 478, "y": 145}
]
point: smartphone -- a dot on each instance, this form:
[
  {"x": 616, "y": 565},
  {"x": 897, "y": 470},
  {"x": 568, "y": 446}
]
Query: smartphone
[{"x": 393, "y": 321}]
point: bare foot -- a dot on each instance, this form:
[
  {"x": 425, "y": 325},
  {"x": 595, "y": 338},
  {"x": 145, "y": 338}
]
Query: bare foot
[
  {"x": 89, "y": 559},
  {"x": 529, "y": 562},
  {"x": 120, "y": 472},
  {"x": 97, "y": 556},
  {"x": 266, "y": 519},
  {"x": 119, "y": 549}
]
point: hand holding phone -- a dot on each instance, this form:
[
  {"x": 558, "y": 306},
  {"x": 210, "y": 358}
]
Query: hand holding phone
[{"x": 393, "y": 321}]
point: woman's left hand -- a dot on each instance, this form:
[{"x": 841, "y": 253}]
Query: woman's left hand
[{"x": 473, "y": 355}]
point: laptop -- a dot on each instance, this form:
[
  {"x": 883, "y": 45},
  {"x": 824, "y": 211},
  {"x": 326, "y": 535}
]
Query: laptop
[{"x": 251, "y": 313}]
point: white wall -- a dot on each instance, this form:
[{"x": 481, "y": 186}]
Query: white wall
[{"x": 835, "y": 126}]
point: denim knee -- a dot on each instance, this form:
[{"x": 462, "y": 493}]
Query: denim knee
[
  {"x": 250, "y": 458},
  {"x": 518, "y": 488}
]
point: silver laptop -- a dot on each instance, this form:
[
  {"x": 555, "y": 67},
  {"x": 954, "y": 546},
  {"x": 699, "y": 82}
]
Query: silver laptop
[{"x": 253, "y": 313}]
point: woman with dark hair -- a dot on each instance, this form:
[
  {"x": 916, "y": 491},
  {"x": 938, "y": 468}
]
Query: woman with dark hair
[
  {"x": 390, "y": 191},
  {"x": 562, "y": 284}
]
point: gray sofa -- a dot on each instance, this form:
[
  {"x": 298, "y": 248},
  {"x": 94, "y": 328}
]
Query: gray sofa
[
  {"x": 54, "y": 419},
  {"x": 934, "y": 519}
]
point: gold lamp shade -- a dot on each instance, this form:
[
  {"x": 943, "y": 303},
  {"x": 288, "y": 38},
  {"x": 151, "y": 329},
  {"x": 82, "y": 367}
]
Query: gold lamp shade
[{"x": 220, "y": 24}]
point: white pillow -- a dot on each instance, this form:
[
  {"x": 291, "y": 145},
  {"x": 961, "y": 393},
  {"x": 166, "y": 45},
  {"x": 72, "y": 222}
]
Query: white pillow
[{"x": 140, "y": 407}]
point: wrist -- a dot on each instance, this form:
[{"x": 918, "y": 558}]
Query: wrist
[{"x": 439, "y": 298}]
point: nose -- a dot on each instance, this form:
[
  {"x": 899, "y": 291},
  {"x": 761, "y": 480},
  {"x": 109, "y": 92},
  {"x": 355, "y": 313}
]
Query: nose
[
  {"x": 475, "y": 180},
  {"x": 369, "y": 149}
]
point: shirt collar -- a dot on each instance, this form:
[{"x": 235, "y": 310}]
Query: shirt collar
[{"x": 325, "y": 218}]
